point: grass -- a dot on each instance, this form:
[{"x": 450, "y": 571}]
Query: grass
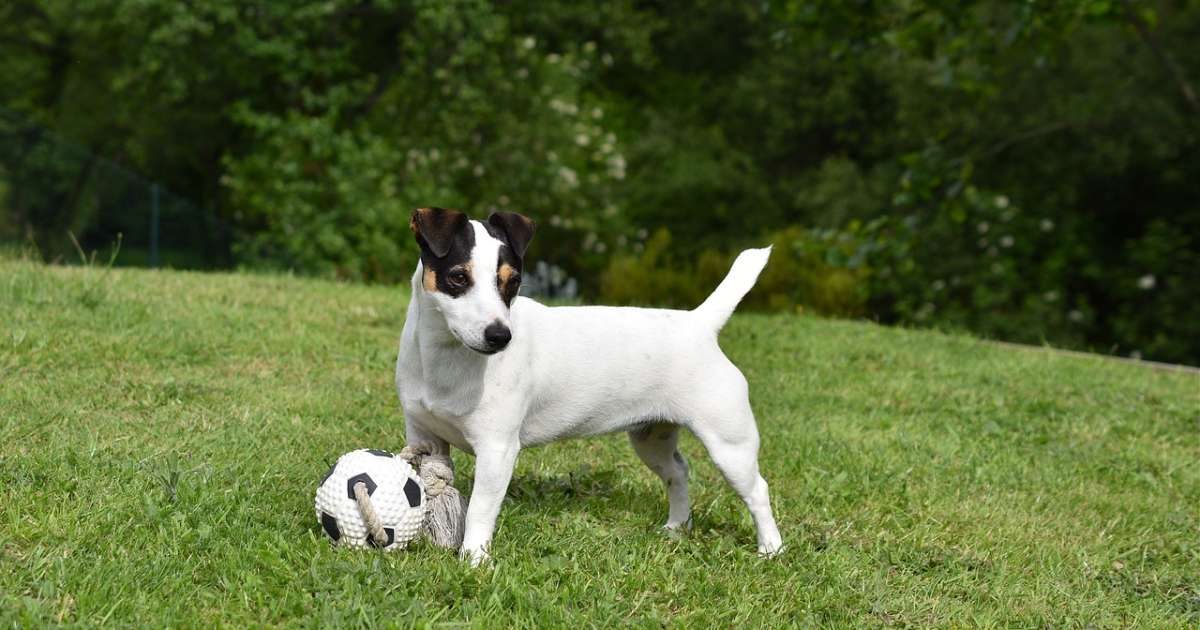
[{"x": 162, "y": 433}]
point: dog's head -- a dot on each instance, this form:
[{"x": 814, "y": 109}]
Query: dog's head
[{"x": 472, "y": 271}]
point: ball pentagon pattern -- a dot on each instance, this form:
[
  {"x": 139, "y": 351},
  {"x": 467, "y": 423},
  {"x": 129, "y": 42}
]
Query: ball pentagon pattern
[{"x": 396, "y": 493}]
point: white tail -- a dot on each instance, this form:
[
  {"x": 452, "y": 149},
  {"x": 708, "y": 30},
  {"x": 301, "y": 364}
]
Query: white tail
[{"x": 719, "y": 306}]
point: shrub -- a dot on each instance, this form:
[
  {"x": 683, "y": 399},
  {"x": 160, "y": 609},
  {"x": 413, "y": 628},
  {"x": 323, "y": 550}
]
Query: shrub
[
  {"x": 810, "y": 270},
  {"x": 479, "y": 116}
]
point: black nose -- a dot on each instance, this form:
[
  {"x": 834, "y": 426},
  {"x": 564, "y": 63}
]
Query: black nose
[{"x": 497, "y": 336}]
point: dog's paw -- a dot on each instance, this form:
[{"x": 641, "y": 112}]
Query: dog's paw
[
  {"x": 676, "y": 531},
  {"x": 770, "y": 550},
  {"x": 478, "y": 556}
]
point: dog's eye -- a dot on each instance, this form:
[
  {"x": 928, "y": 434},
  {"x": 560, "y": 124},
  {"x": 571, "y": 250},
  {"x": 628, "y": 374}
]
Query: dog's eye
[
  {"x": 515, "y": 278},
  {"x": 458, "y": 278}
]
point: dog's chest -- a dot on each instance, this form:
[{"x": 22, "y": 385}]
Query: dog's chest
[
  {"x": 437, "y": 402},
  {"x": 437, "y": 413}
]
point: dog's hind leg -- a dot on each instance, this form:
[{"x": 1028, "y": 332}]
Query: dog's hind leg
[
  {"x": 724, "y": 423},
  {"x": 656, "y": 445}
]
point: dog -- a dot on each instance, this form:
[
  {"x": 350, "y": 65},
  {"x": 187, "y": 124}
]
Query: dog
[{"x": 489, "y": 372}]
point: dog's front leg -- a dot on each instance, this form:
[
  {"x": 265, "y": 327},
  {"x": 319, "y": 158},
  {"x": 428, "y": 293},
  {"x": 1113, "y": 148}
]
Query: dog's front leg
[{"x": 494, "y": 464}]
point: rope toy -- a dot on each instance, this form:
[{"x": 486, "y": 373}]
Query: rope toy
[
  {"x": 370, "y": 516},
  {"x": 445, "y": 507}
]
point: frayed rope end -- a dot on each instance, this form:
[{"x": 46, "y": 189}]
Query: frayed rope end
[{"x": 445, "y": 507}]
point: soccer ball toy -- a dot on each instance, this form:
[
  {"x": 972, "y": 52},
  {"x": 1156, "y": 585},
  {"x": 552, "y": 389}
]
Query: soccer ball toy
[{"x": 371, "y": 498}]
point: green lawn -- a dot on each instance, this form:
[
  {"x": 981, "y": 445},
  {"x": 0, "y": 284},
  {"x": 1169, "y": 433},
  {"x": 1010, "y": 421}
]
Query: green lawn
[{"x": 162, "y": 434}]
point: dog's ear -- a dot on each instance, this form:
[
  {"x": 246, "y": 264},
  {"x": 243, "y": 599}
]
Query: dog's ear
[
  {"x": 435, "y": 228},
  {"x": 518, "y": 229}
]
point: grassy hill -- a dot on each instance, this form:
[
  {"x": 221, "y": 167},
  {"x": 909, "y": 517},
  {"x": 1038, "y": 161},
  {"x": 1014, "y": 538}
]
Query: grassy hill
[{"x": 162, "y": 433}]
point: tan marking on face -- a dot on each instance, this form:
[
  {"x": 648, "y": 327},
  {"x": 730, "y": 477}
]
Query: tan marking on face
[
  {"x": 504, "y": 273},
  {"x": 429, "y": 280},
  {"x": 506, "y": 281}
]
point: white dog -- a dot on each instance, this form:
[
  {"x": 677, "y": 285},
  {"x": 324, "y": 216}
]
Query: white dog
[{"x": 566, "y": 372}]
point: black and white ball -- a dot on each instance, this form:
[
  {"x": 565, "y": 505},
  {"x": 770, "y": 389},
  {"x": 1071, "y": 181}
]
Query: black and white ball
[{"x": 396, "y": 492}]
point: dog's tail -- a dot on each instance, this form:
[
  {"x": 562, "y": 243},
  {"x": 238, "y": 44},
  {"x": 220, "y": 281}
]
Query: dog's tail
[{"x": 741, "y": 278}]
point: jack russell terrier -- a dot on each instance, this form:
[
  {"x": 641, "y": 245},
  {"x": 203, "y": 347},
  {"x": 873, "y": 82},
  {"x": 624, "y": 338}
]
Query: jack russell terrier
[{"x": 491, "y": 373}]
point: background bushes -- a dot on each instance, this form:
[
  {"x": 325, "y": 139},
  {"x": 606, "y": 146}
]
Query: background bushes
[{"x": 1023, "y": 170}]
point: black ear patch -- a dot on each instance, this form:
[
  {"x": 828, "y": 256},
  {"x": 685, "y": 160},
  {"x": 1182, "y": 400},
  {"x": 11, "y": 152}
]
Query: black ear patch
[
  {"x": 517, "y": 229},
  {"x": 436, "y": 229},
  {"x": 447, "y": 240}
]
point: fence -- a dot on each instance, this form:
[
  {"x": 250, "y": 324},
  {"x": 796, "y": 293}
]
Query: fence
[{"x": 52, "y": 188}]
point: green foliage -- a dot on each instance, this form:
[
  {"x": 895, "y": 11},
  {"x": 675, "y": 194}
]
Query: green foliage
[
  {"x": 650, "y": 277},
  {"x": 325, "y": 201},
  {"x": 810, "y": 270},
  {"x": 818, "y": 270},
  {"x": 315, "y": 127},
  {"x": 474, "y": 112}
]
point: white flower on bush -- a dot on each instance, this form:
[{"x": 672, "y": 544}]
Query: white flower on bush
[
  {"x": 569, "y": 177},
  {"x": 1050, "y": 296},
  {"x": 982, "y": 227},
  {"x": 1047, "y": 225},
  {"x": 1001, "y": 202},
  {"x": 553, "y": 58},
  {"x": 478, "y": 170},
  {"x": 1006, "y": 241},
  {"x": 563, "y": 107},
  {"x": 529, "y": 43},
  {"x": 1075, "y": 316},
  {"x": 1146, "y": 282},
  {"x": 582, "y": 139},
  {"x": 616, "y": 167}
]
